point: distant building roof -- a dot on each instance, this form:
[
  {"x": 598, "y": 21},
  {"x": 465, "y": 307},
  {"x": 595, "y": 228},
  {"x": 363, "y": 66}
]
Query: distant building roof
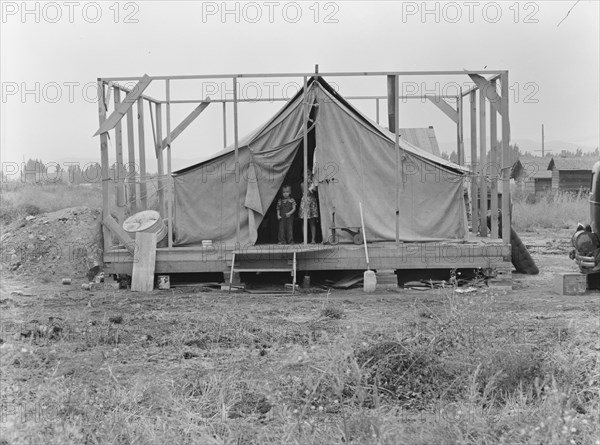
[
  {"x": 574, "y": 163},
  {"x": 528, "y": 167},
  {"x": 423, "y": 138}
]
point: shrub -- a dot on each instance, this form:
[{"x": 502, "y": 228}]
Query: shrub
[
  {"x": 30, "y": 209},
  {"x": 509, "y": 368},
  {"x": 414, "y": 377},
  {"x": 332, "y": 312}
]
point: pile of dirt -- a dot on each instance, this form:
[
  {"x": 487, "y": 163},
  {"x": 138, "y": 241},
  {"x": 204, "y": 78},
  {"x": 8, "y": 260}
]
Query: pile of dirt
[{"x": 66, "y": 243}]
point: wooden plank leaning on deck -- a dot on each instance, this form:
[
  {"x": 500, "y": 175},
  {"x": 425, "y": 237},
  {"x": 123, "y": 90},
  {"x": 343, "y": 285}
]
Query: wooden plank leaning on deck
[{"x": 144, "y": 262}]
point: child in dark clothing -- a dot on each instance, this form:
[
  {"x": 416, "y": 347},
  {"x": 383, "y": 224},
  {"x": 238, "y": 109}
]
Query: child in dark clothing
[{"x": 286, "y": 206}]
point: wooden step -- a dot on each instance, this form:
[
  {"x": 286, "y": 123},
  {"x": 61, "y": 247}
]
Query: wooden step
[
  {"x": 240, "y": 258},
  {"x": 235, "y": 268},
  {"x": 245, "y": 261}
]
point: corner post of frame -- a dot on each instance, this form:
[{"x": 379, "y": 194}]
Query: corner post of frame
[
  {"x": 237, "y": 161},
  {"x": 305, "y": 112},
  {"x": 506, "y": 211},
  {"x": 108, "y": 241}
]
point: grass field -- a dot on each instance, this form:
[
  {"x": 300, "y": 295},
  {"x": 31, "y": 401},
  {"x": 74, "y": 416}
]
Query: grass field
[
  {"x": 193, "y": 366},
  {"x": 20, "y": 199},
  {"x": 559, "y": 211},
  {"x": 196, "y": 366}
]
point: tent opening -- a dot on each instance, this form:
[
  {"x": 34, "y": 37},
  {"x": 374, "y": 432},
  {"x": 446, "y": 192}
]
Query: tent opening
[{"x": 269, "y": 227}]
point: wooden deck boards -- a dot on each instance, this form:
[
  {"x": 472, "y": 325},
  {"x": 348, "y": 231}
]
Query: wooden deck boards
[{"x": 473, "y": 253}]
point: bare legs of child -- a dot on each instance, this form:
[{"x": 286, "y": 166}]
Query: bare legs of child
[{"x": 313, "y": 230}]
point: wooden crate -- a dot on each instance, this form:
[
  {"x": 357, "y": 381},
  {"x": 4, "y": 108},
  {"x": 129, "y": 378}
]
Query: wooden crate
[{"x": 570, "y": 283}]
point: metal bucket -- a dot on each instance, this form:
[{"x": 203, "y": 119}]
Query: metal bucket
[{"x": 148, "y": 221}]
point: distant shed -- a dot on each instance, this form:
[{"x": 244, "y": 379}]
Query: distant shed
[
  {"x": 571, "y": 174},
  {"x": 531, "y": 174}
]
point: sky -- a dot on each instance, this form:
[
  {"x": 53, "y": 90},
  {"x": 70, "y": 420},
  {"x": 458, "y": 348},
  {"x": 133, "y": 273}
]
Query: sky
[{"x": 51, "y": 54}]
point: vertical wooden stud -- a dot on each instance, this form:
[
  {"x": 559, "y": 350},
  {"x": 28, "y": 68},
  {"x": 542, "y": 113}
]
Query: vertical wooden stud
[
  {"x": 104, "y": 167},
  {"x": 483, "y": 193},
  {"x": 160, "y": 162},
  {"x": 305, "y": 112},
  {"x": 474, "y": 164},
  {"x": 142, "y": 155},
  {"x": 506, "y": 216},
  {"x": 131, "y": 165},
  {"x": 169, "y": 167},
  {"x": 237, "y": 163},
  {"x": 494, "y": 167}
]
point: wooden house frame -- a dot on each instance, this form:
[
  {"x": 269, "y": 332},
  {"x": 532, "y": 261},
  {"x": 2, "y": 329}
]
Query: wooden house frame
[{"x": 480, "y": 250}]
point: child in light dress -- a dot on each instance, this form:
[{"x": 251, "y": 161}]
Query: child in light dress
[{"x": 310, "y": 207}]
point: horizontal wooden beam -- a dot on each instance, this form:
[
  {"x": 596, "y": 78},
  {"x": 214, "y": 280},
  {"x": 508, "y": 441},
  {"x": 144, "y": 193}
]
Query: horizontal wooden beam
[
  {"x": 332, "y": 74},
  {"x": 184, "y": 124},
  {"x": 122, "y": 109},
  {"x": 143, "y": 96},
  {"x": 116, "y": 229},
  {"x": 447, "y": 109},
  {"x": 285, "y": 99}
]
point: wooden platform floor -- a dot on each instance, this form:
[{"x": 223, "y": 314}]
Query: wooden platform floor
[{"x": 472, "y": 253}]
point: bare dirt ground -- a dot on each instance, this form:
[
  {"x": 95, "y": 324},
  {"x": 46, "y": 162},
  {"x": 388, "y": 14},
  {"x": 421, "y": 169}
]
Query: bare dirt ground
[{"x": 193, "y": 365}]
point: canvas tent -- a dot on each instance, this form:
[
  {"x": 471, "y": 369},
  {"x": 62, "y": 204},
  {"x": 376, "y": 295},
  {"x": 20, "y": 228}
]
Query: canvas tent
[
  {"x": 352, "y": 159},
  {"x": 424, "y": 138}
]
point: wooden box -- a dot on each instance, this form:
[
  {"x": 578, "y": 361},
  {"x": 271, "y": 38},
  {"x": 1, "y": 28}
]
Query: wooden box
[{"x": 570, "y": 283}]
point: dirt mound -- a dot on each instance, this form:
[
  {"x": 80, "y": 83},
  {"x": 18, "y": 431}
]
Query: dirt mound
[{"x": 67, "y": 243}]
